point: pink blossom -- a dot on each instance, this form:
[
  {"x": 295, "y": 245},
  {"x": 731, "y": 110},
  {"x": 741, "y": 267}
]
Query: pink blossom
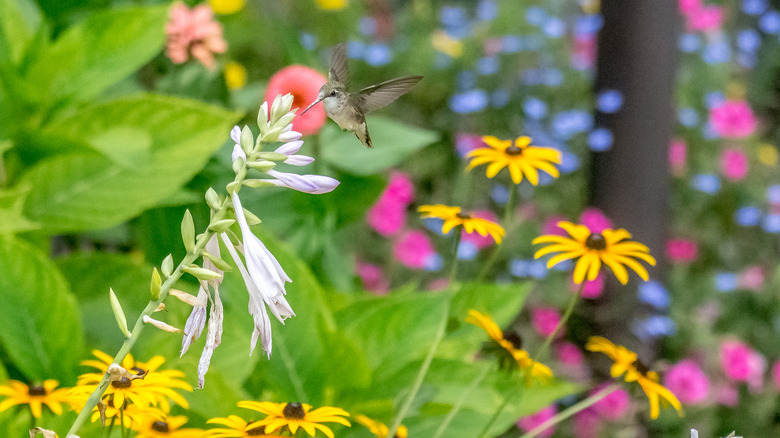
[
  {"x": 733, "y": 164},
  {"x": 438, "y": 284},
  {"x": 593, "y": 288},
  {"x": 372, "y": 277},
  {"x": 400, "y": 188},
  {"x": 545, "y": 320},
  {"x": 387, "y": 216},
  {"x": 733, "y": 119},
  {"x": 480, "y": 241},
  {"x": 587, "y": 424},
  {"x": 532, "y": 421},
  {"x": 413, "y": 249},
  {"x": 568, "y": 354},
  {"x": 465, "y": 143},
  {"x": 682, "y": 250},
  {"x": 550, "y": 226},
  {"x": 690, "y": 6},
  {"x": 776, "y": 374},
  {"x": 194, "y": 32},
  {"x": 584, "y": 51},
  {"x": 677, "y": 156},
  {"x": 727, "y": 395},
  {"x": 304, "y": 84},
  {"x": 687, "y": 381},
  {"x": 705, "y": 19},
  {"x": 613, "y": 406},
  {"x": 752, "y": 278},
  {"x": 595, "y": 220},
  {"x": 741, "y": 363}
]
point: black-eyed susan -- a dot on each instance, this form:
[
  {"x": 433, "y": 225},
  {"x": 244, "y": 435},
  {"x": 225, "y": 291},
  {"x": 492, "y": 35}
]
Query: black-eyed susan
[
  {"x": 380, "y": 430},
  {"x": 154, "y": 387},
  {"x": 522, "y": 158},
  {"x": 236, "y": 427},
  {"x": 509, "y": 352},
  {"x": 626, "y": 362},
  {"x": 454, "y": 216},
  {"x": 166, "y": 427},
  {"x": 610, "y": 247},
  {"x": 292, "y": 416},
  {"x": 35, "y": 396}
]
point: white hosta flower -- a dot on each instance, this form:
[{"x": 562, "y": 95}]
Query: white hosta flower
[
  {"x": 314, "y": 184},
  {"x": 213, "y": 338},
  {"x": 195, "y": 322},
  {"x": 290, "y": 149}
]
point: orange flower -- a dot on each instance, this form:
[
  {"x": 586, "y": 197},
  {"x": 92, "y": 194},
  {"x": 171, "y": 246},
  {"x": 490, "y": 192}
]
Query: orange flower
[{"x": 304, "y": 84}]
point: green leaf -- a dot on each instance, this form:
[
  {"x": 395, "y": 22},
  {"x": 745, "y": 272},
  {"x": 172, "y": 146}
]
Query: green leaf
[
  {"x": 99, "y": 52},
  {"x": 41, "y": 328},
  {"x": 393, "y": 142},
  {"x": 19, "y": 21},
  {"x": 82, "y": 191},
  {"x": 12, "y": 219}
]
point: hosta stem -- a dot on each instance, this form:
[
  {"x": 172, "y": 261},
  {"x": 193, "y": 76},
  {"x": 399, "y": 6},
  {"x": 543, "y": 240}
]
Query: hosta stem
[{"x": 200, "y": 245}]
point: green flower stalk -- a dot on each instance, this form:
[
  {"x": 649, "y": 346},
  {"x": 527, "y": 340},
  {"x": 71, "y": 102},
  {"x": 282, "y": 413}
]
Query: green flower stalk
[{"x": 263, "y": 275}]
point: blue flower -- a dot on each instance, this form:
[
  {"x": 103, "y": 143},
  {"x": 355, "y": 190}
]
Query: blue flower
[
  {"x": 433, "y": 224},
  {"x": 537, "y": 269},
  {"x": 471, "y": 101},
  {"x": 725, "y": 282},
  {"x": 500, "y": 98},
  {"x": 748, "y": 216},
  {"x": 773, "y": 194},
  {"x": 554, "y": 27},
  {"x": 367, "y": 26},
  {"x": 609, "y": 101},
  {"x": 308, "y": 41},
  {"x": 706, "y": 182},
  {"x": 568, "y": 123},
  {"x": 433, "y": 263},
  {"x": 533, "y": 76},
  {"x": 748, "y": 40},
  {"x": 452, "y": 16},
  {"x": 534, "y": 108},
  {"x": 466, "y": 80},
  {"x": 569, "y": 162},
  {"x": 655, "y": 294},
  {"x": 689, "y": 42},
  {"x": 355, "y": 49},
  {"x": 467, "y": 250},
  {"x": 714, "y": 99},
  {"x": 519, "y": 267},
  {"x": 378, "y": 55},
  {"x": 553, "y": 77},
  {"x": 771, "y": 223},
  {"x": 600, "y": 140},
  {"x": 754, "y": 7},
  {"x": 487, "y": 10},
  {"x": 588, "y": 24},
  {"x": 487, "y": 66},
  {"x": 535, "y": 16},
  {"x": 499, "y": 194},
  {"x": 654, "y": 327},
  {"x": 770, "y": 22},
  {"x": 512, "y": 43},
  {"x": 688, "y": 117},
  {"x": 747, "y": 60},
  {"x": 716, "y": 52}
]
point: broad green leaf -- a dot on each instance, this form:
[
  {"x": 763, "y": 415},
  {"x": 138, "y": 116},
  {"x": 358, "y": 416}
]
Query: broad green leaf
[
  {"x": 41, "y": 328},
  {"x": 84, "y": 191},
  {"x": 393, "y": 142},
  {"x": 12, "y": 219},
  {"x": 99, "y": 52},
  {"x": 19, "y": 22}
]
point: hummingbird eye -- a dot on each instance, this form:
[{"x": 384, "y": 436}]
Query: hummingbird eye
[{"x": 333, "y": 93}]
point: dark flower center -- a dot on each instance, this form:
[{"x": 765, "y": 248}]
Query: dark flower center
[
  {"x": 122, "y": 383},
  {"x": 515, "y": 339},
  {"x": 36, "y": 390},
  {"x": 139, "y": 371},
  {"x": 294, "y": 410},
  {"x": 513, "y": 150},
  {"x": 160, "y": 426},
  {"x": 298, "y": 101},
  {"x": 462, "y": 215},
  {"x": 257, "y": 431},
  {"x": 596, "y": 242},
  {"x": 642, "y": 368}
]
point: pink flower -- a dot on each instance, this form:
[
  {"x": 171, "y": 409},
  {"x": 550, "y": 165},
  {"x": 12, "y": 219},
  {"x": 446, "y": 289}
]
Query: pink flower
[
  {"x": 386, "y": 217},
  {"x": 568, "y": 354},
  {"x": 400, "y": 188},
  {"x": 677, "y": 156},
  {"x": 584, "y": 51},
  {"x": 776, "y": 374},
  {"x": 741, "y": 363},
  {"x": 304, "y": 84},
  {"x": 474, "y": 238},
  {"x": 594, "y": 288},
  {"x": 413, "y": 249},
  {"x": 587, "y": 424},
  {"x": 613, "y": 406},
  {"x": 727, "y": 395},
  {"x": 707, "y": 18},
  {"x": 690, "y": 6},
  {"x": 733, "y": 119},
  {"x": 438, "y": 284},
  {"x": 687, "y": 381},
  {"x": 682, "y": 250},
  {"x": 752, "y": 278},
  {"x": 551, "y": 226},
  {"x": 194, "y": 32},
  {"x": 531, "y": 421},
  {"x": 594, "y": 219},
  {"x": 372, "y": 277},
  {"x": 545, "y": 319},
  {"x": 733, "y": 164},
  {"x": 465, "y": 143}
]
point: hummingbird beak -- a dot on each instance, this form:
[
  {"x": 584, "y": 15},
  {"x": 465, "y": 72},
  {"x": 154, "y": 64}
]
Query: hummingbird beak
[{"x": 312, "y": 104}]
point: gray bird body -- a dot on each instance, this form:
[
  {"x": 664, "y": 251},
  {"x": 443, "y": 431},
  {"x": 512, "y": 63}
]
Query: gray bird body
[{"x": 349, "y": 110}]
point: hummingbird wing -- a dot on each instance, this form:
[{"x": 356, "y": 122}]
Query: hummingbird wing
[
  {"x": 382, "y": 94},
  {"x": 339, "y": 69}
]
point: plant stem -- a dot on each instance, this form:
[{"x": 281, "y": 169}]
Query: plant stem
[
  {"x": 421, "y": 374},
  {"x": 571, "y": 410},
  {"x": 562, "y": 323},
  {"x": 455, "y": 245},
  {"x": 129, "y": 342},
  {"x": 509, "y": 210},
  {"x": 456, "y": 407}
]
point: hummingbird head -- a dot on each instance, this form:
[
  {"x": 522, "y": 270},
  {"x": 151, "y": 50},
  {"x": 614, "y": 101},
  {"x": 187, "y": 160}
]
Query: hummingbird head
[{"x": 333, "y": 94}]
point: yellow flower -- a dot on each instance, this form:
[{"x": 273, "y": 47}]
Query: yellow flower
[
  {"x": 332, "y": 5},
  {"x": 155, "y": 388},
  {"x": 167, "y": 427},
  {"x": 226, "y": 7},
  {"x": 767, "y": 155},
  {"x": 610, "y": 247},
  {"x": 237, "y": 427},
  {"x": 521, "y": 158},
  {"x": 295, "y": 415},
  {"x": 446, "y": 44},
  {"x": 453, "y": 217},
  {"x": 35, "y": 396},
  {"x": 534, "y": 370},
  {"x": 235, "y": 75},
  {"x": 626, "y": 362},
  {"x": 380, "y": 430}
]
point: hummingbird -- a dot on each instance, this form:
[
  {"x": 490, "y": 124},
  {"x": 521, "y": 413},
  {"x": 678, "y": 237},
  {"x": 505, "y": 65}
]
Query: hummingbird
[{"x": 349, "y": 110}]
